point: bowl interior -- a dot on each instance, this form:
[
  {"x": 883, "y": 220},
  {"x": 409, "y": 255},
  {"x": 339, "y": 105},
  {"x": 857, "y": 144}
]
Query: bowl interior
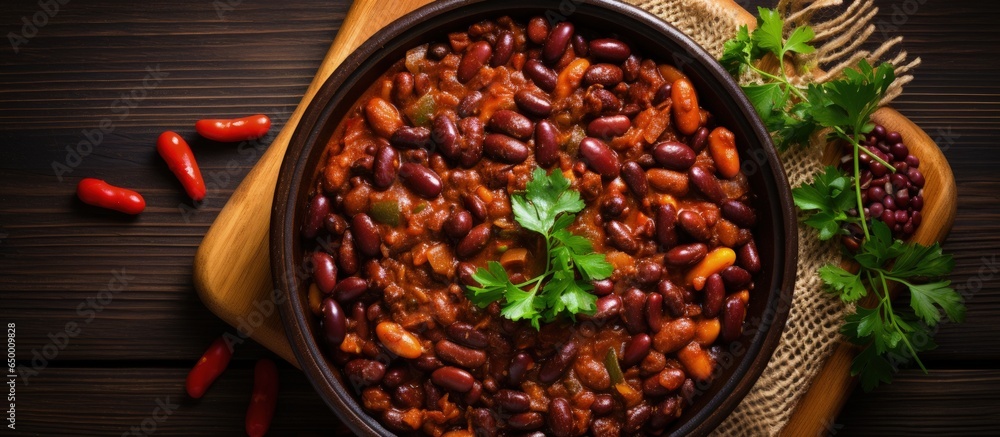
[{"x": 775, "y": 234}]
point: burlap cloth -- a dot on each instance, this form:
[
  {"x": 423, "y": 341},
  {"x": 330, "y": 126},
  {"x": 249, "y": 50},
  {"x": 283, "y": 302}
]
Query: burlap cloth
[{"x": 815, "y": 317}]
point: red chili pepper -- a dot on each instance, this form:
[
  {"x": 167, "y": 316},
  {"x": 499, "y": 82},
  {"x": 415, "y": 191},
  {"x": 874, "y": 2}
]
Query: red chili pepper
[
  {"x": 234, "y": 129},
  {"x": 99, "y": 193},
  {"x": 181, "y": 161},
  {"x": 264, "y": 398},
  {"x": 212, "y": 363}
]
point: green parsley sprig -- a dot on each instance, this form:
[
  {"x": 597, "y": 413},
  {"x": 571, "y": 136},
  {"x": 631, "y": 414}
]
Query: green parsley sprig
[
  {"x": 548, "y": 206},
  {"x": 793, "y": 112}
]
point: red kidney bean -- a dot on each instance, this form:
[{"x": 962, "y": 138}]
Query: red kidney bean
[
  {"x": 453, "y": 378},
  {"x": 602, "y": 101},
  {"x": 460, "y": 355},
  {"x": 599, "y": 157},
  {"x": 469, "y": 105},
  {"x": 408, "y": 396},
  {"x": 609, "y": 127},
  {"x": 384, "y": 169},
  {"x": 402, "y": 87},
  {"x": 732, "y": 318},
  {"x": 694, "y": 225},
  {"x": 609, "y": 50},
  {"x": 699, "y": 139},
  {"x": 557, "y": 365},
  {"x": 445, "y": 135},
  {"x": 475, "y": 205},
  {"x": 621, "y": 236},
  {"x": 635, "y": 177},
  {"x": 349, "y": 289},
  {"x": 366, "y": 235},
  {"x": 472, "y": 137},
  {"x": 686, "y": 255},
  {"x": 651, "y": 387},
  {"x": 334, "y": 323},
  {"x": 556, "y": 42},
  {"x": 533, "y": 104},
  {"x": 608, "y": 307},
  {"x": 422, "y": 180},
  {"x": 409, "y": 137},
  {"x": 512, "y": 401},
  {"x": 613, "y": 206},
  {"x": 560, "y": 418},
  {"x": 538, "y": 30},
  {"x": 673, "y": 155},
  {"x": 211, "y": 364},
  {"x": 526, "y": 421},
  {"x": 99, "y": 193},
  {"x": 505, "y": 149},
  {"x": 547, "y": 144},
  {"x": 648, "y": 272},
  {"x": 437, "y": 51},
  {"x": 474, "y": 59},
  {"x": 395, "y": 377},
  {"x": 347, "y": 259},
  {"x": 180, "y": 160},
  {"x": 580, "y": 46},
  {"x": 473, "y": 395},
  {"x": 654, "y": 311},
  {"x": 359, "y": 315},
  {"x": 673, "y": 297},
  {"x": 474, "y": 242},
  {"x": 541, "y": 75},
  {"x": 458, "y": 224},
  {"x": 739, "y": 213},
  {"x": 666, "y": 219},
  {"x": 607, "y": 75},
  {"x": 707, "y": 184},
  {"x": 362, "y": 373},
  {"x": 603, "y": 287},
  {"x": 665, "y": 413},
  {"x": 715, "y": 293},
  {"x": 319, "y": 207},
  {"x": 466, "y": 334},
  {"x": 324, "y": 272},
  {"x": 427, "y": 363},
  {"x": 465, "y": 271},
  {"x": 662, "y": 93},
  {"x": 636, "y": 350},
  {"x": 264, "y": 398},
  {"x": 636, "y": 417},
  {"x": 396, "y": 420},
  {"x": 504, "y": 48},
  {"x": 519, "y": 366},
  {"x": 511, "y": 123},
  {"x": 735, "y": 278},
  {"x": 748, "y": 258},
  {"x": 633, "y": 305},
  {"x": 603, "y": 404}
]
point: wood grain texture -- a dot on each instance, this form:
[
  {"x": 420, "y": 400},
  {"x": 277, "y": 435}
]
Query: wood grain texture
[
  {"x": 56, "y": 253},
  {"x": 234, "y": 280}
]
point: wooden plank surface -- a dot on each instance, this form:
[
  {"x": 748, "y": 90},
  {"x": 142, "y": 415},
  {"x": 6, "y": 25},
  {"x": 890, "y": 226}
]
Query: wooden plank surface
[{"x": 259, "y": 57}]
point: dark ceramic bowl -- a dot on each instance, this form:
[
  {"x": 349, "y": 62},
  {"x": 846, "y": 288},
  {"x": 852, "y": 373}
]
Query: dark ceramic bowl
[{"x": 775, "y": 233}]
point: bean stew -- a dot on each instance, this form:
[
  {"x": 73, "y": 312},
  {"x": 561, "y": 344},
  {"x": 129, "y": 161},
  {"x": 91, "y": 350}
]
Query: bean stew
[{"x": 415, "y": 195}]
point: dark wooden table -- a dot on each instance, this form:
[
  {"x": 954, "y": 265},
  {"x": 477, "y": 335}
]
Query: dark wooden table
[{"x": 103, "y": 304}]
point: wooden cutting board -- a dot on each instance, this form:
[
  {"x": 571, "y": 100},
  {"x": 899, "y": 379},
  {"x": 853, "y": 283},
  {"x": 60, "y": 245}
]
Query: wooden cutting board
[{"x": 232, "y": 268}]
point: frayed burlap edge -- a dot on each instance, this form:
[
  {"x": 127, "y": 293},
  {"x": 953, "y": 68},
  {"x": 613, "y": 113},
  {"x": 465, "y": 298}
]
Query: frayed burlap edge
[{"x": 811, "y": 331}]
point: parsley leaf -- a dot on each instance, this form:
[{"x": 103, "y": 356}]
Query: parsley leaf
[
  {"x": 793, "y": 112},
  {"x": 848, "y": 284},
  {"x": 548, "y": 207}
]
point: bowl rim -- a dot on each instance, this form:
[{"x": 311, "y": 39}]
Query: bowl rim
[{"x": 284, "y": 231}]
